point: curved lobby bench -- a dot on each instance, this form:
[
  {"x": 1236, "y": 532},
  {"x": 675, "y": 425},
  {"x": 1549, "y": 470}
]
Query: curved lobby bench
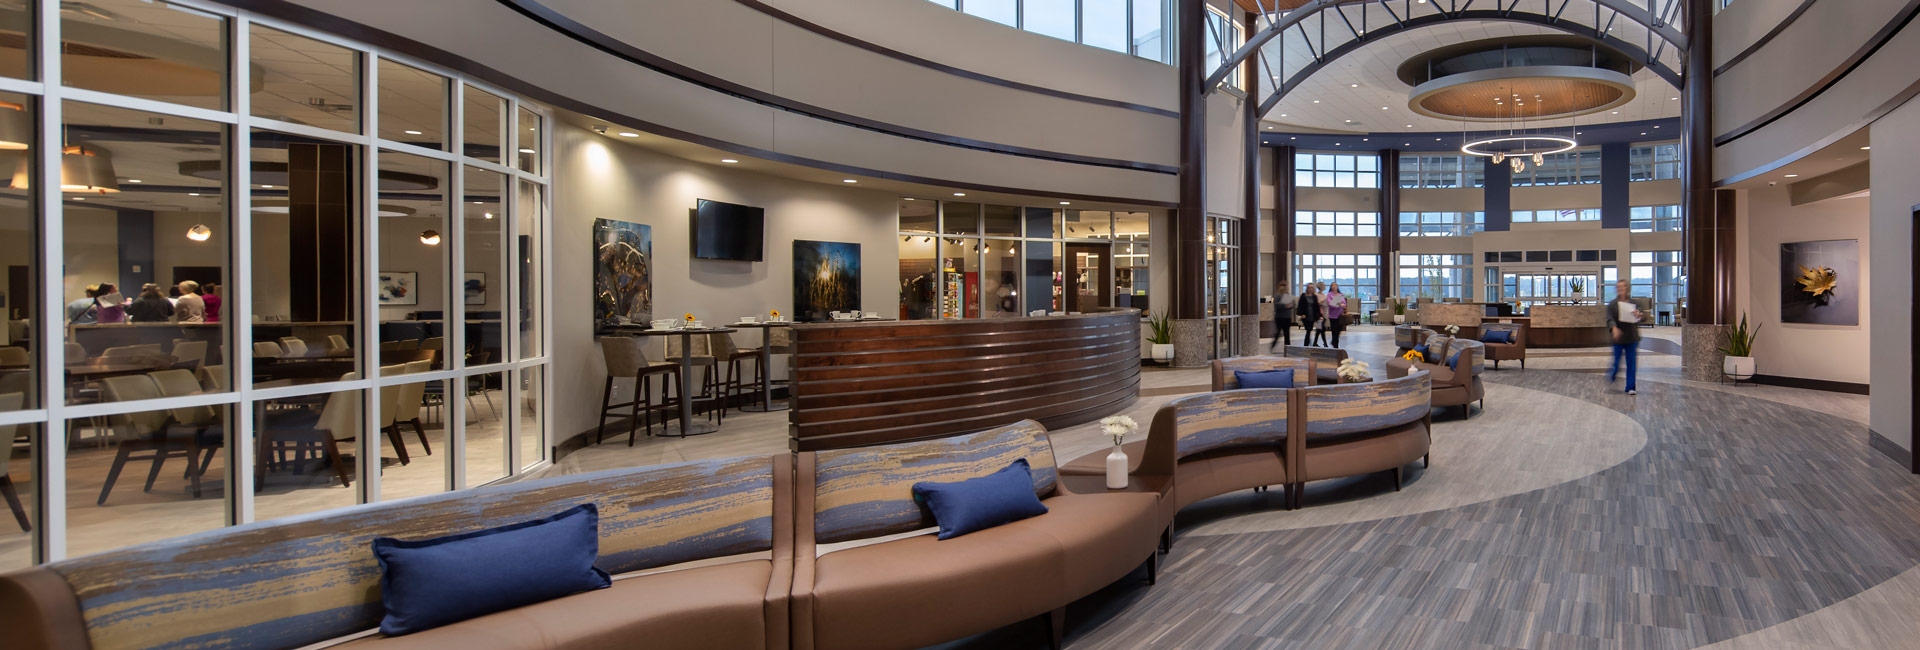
[
  {"x": 1354, "y": 429},
  {"x": 883, "y": 590},
  {"x": 304, "y": 580}
]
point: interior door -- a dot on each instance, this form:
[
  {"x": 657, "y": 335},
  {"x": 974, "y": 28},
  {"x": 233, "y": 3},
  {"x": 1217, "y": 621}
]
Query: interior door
[{"x": 1089, "y": 276}]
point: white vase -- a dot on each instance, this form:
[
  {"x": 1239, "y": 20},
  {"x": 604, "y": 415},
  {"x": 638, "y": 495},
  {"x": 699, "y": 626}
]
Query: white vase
[
  {"x": 1738, "y": 368},
  {"x": 1162, "y": 351},
  {"x": 1117, "y": 469}
]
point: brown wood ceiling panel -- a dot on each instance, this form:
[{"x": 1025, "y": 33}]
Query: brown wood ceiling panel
[{"x": 1486, "y": 100}]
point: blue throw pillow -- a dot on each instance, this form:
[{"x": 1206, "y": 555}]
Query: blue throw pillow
[
  {"x": 1496, "y": 336},
  {"x": 977, "y": 504},
  {"x": 1267, "y": 379},
  {"x": 1454, "y": 361},
  {"x": 1424, "y": 354},
  {"x": 428, "y": 583}
]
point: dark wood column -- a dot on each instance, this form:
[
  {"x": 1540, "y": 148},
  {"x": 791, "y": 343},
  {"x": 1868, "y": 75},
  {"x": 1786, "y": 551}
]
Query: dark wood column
[
  {"x": 1248, "y": 274},
  {"x": 1190, "y": 220},
  {"x": 1709, "y": 252},
  {"x": 1284, "y": 236},
  {"x": 320, "y": 217},
  {"x": 1389, "y": 217}
]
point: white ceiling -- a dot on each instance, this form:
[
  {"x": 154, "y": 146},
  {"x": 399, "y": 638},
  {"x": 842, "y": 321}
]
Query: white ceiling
[{"x": 1374, "y": 68}]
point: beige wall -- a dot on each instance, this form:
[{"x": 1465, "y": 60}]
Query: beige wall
[
  {"x": 1766, "y": 219},
  {"x": 1896, "y": 153},
  {"x": 597, "y": 177}
]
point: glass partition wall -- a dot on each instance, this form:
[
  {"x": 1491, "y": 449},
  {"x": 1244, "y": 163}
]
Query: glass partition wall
[
  {"x": 971, "y": 260},
  {"x": 250, "y": 296}
]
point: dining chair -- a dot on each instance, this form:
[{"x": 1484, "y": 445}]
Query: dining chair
[
  {"x": 213, "y": 379},
  {"x": 779, "y": 341},
  {"x": 390, "y": 409},
  {"x": 76, "y": 354},
  {"x": 14, "y": 356},
  {"x": 734, "y": 382},
  {"x": 433, "y": 343},
  {"x": 703, "y": 360},
  {"x": 337, "y": 421},
  {"x": 150, "y": 431},
  {"x": 337, "y": 346},
  {"x": 180, "y": 383},
  {"x": 411, "y": 402},
  {"x": 295, "y": 346},
  {"x": 12, "y": 402},
  {"x": 626, "y": 358},
  {"x": 268, "y": 350},
  {"x": 148, "y": 353},
  {"x": 189, "y": 354}
]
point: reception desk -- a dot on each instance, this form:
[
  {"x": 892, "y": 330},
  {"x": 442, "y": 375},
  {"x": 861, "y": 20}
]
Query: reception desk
[
  {"x": 1566, "y": 326},
  {"x": 869, "y": 383}
]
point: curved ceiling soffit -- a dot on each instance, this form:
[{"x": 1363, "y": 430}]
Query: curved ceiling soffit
[
  {"x": 566, "y": 26},
  {"x": 1327, "y": 58},
  {"x": 1656, "y": 26}
]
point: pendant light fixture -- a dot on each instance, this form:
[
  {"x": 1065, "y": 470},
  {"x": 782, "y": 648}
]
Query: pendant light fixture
[
  {"x": 87, "y": 168},
  {"x": 16, "y": 127},
  {"x": 199, "y": 232},
  {"x": 430, "y": 237}
]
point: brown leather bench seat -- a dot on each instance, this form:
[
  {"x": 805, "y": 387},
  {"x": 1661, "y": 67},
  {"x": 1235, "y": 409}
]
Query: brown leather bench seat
[{"x": 917, "y": 591}]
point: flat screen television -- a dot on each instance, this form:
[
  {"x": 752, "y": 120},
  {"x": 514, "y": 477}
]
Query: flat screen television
[{"x": 725, "y": 231}]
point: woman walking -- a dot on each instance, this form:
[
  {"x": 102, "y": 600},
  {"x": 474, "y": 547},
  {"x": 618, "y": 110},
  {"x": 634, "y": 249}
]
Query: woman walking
[
  {"x": 1283, "y": 303},
  {"x": 1336, "y": 310},
  {"x": 1623, "y": 318},
  {"x": 1309, "y": 309}
]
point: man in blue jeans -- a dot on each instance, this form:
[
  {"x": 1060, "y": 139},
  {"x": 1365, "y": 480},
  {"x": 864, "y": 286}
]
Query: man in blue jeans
[{"x": 1623, "y": 320}]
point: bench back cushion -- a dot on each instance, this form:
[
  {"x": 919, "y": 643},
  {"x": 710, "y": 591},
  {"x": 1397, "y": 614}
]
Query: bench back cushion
[
  {"x": 1408, "y": 337},
  {"x": 1234, "y": 418},
  {"x": 1340, "y": 409},
  {"x": 1328, "y": 357},
  {"x": 298, "y": 581},
  {"x": 868, "y": 491},
  {"x": 1223, "y": 370}
]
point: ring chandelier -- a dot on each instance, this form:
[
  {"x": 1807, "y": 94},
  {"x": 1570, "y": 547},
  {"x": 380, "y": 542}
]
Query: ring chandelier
[{"x": 1517, "y": 146}]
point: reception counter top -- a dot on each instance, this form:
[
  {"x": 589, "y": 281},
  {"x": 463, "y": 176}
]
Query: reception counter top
[{"x": 869, "y": 383}]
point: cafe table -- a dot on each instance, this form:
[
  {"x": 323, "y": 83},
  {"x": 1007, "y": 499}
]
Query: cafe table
[
  {"x": 687, "y": 426},
  {"x": 766, "y": 368}
]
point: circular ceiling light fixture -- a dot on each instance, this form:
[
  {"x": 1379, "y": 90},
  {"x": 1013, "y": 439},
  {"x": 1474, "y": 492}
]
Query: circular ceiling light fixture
[
  {"x": 1535, "y": 146},
  {"x": 430, "y": 237},
  {"x": 199, "y": 232}
]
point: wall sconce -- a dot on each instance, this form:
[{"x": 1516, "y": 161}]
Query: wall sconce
[
  {"x": 199, "y": 232},
  {"x": 430, "y": 237}
]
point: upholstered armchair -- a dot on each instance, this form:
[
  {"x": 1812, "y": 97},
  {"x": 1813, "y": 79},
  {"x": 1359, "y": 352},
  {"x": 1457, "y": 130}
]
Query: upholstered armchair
[{"x": 1498, "y": 352}]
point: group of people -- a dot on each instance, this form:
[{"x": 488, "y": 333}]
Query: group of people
[
  {"x": 1320, "y": 310},
  {"x": 190, "y": 303}
]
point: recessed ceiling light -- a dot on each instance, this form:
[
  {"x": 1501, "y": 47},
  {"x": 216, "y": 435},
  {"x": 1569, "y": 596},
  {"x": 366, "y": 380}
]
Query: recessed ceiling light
[
  {"x": 79, "y": 198},
  {"x": 1409, "y": 126},
  {"x": 1283, "y": 115},
  {"x": 1383, "y": 108},
  {"x": 488, "y": 215},
  {"x": 412, "y": 132},
  {"x": 1316, "y": 101},
  {"x": 1353, "y": 85},
  {"x": 193, "y": 194},
  {"x": 629, "y": 134},
  {"x": 1349, "y": 121},
  {"x": 728, "y": 160},
  {"x": 267, "y": 186},
  {"x": 527, "y": 151},
  {"x": 1616, "y": 112},
  {"x": 959, "y": 193},
  {"x": 1676, "y": 99},
  {"x": 1365, "y": 139},
  {"x": 1862, "y": 149},
  {"x": 1294, "y": 138},
  {"x": 909, "y": 198},
  {"x": 1336, "y": 144},
  {"x": 133, "y": 180},
  {"x": 1656, "y": 126},
  {"x": 1643, "y": 133},
  {"x": 848, "y": 180},
  {"x": 1066, "y": 203},
  {"x": 1793, "y": 175}
]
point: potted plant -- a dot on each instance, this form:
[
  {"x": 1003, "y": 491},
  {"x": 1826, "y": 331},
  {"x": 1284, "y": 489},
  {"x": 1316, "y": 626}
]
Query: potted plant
[
  {"x": 1579, "y": 288},
  {"x": 1161, "y": 338},
  {"x": 1399, "y": 310},
  {"x": 1739, "y": 365}
]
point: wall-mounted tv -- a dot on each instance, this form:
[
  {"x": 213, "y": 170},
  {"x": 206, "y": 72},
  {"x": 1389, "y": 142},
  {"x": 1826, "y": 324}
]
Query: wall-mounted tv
[{"x": 725, "y": 231}]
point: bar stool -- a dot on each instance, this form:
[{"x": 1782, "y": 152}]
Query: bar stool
[
  {"x": 779, "y": 341},
  {"x": 726, "y": 352},
  {"x": 703, "y": 359},
  {"x": 626, "y": 358}
]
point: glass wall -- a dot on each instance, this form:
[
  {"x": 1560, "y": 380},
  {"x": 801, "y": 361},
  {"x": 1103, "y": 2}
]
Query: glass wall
[
  {"x": 972, "y": 260},
  {"x": 1576, "y": 167},
  {"x": 1442, "y": 224},
  {"x": 223, "y": 239},
  {"x": 1445, "y": 171},
  {"x": 1659, "y": 275},
  {"x": 1654, "y": 162},
  {"x": 1358, "y": 275},
  {"x": 1128, "y": 26},
  {"x": 1336, "y": 224},
  {"x": 1552, "y": 216},
  {"x": 1436, "y": 276},
  {"x": 1655, "y": 218},
  {"x": 1336, "y": 170}
]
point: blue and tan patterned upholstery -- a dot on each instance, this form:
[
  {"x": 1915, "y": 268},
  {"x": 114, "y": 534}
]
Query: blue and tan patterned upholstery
[
  {"x": 1407, "y": 337},
  {"x": 1223, "y": 369},
  {"x": 292, "y": 582},
  {"x": 868, "y": 492},
  {"x": 1368, "y": 406},
  {"x": 1236, "y": 418}
]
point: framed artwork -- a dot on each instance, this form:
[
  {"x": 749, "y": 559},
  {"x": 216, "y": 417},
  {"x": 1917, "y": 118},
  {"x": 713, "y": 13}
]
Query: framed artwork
[
  {"x": 399, "y": 288},
  {"x": 475, "y": 288},
  {"x": 826, "y": 278},
  {"x": 1820, "y": 282},
  {"x": 622, "y": 273}
]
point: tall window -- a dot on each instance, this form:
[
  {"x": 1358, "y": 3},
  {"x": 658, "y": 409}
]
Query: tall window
[
  {"x": 1657, "y": 275},
  {"x": 1655, "y": 218},
  {"x": 968, "y": 260},
  {"x": 1577, "y": 167},
  {"x": 1435, "y": 276},
  {"x": 1130, "y": 26},
  {"x": 1551, "y": 216},
  {"x": 1223, "y": 296},
  {"x": 1654, "y": 162},
  {"x": 1336, "y": 170},
  {"x": 1357, "y": 275},
  {"x": 1451, "y": 171},
  {"x": 1224, "y": 33},
  {"x": 254, "y": 265},
  {"x": 1336, "y": 224},
  {"x": 1441, "y": 224}
]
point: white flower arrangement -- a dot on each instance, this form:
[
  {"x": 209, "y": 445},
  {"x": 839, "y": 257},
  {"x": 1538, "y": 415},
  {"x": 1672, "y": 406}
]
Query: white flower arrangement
[
  {"x": 1453, "y": 329},
  {"x": 1354, "y": 369},
  {"x": 1118, "y": 426}
]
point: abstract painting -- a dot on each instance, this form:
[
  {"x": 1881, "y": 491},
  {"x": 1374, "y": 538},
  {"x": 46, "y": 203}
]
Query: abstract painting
[
  {"x": 399, "y": 288},
  {"x": 1820, "y": 282},
  {"x": 476, "y": 288},
  {"x": 622, "y": 273},
  {"x": 826, "y": 278}
]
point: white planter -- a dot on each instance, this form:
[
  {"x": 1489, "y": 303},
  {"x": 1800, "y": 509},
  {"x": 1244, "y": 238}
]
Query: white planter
[
  {"x": 1117, "y": 469},
  {"x": 1399, "y": 318},
  {"x": 1162, "y": 351},
  {"x": 1738, "y": 368}
]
